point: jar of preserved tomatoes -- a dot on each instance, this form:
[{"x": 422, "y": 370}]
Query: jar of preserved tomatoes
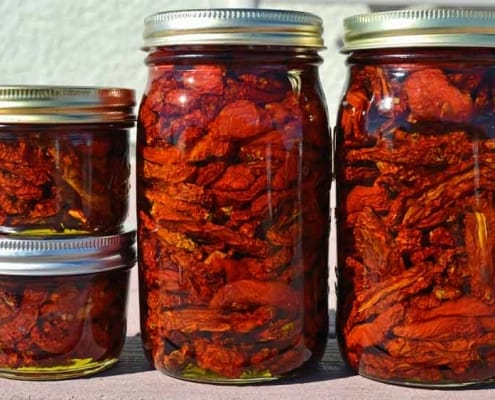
[
  {"x": 63, "y": 304},
  {"x": 415, "y": 170},
  {"x": 233, "y": 177},
  {"x": 64, "y": 159}
]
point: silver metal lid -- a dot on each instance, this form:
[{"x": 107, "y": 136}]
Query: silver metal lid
[
  {"x": 435, "y": 27},
  {"x": 55, "y": 256},
  {"x": 65, "y": 104},
  {"x": 233, "y": 26}
]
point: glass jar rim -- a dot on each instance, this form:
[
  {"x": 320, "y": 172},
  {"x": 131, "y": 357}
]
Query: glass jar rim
[
  {"x": 39, "y": 104},
  {"x": 422, "y": 27},
  {"x": 233, "y": 26}
]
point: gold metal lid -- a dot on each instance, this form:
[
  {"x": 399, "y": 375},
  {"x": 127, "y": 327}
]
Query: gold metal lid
[
  {"x": 65, "y": 104},
  {"x": 233, "y": 26},
  {"x": 435, "y": 27}
]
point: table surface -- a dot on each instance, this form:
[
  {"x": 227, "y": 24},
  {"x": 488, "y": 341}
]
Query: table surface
[{"x": 133, "y": 378}]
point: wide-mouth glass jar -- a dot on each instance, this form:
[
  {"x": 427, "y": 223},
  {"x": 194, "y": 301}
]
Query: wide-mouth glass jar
[
  {"x": 233, "y": 178},
  {"x": 63, "y": 304},
  {"x": 64, "y": 159},
  {"x": 415, "y": 171}
]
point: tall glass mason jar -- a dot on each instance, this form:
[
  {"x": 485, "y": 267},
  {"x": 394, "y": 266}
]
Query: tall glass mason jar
[
  {"x": 233, "y": 178},
  {"x": 415, "y": 171}
]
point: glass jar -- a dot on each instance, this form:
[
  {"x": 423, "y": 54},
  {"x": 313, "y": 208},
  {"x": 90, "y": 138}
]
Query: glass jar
[
  {"x": 415, "y": 171},
  {"x": 64, "y": 159},
  {"x": 63, "y": 304},
  {"x": 233, "y": 177}
]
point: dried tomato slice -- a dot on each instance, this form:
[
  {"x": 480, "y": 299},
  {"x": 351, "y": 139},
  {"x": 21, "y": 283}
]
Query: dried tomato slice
[
  {"x": 415, "y": 217},
  {"x": 223, "y": 217}
]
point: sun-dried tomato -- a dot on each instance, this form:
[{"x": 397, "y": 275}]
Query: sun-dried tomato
[
  {"x": 233, "y": 219},
  {"x": 64, "y": 178},
  {"x": 416, "y": 220},
  {"x": 432, "y": 97},
  {"x": 55, "y": 327}
]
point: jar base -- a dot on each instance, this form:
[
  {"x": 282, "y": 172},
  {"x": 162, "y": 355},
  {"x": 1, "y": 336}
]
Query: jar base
[
  {"x": 199, "y": 375},
  {"x": 218, "y": 380},
  {"x": 80, "y": 368},
  {"x": 424, "y": 385}
]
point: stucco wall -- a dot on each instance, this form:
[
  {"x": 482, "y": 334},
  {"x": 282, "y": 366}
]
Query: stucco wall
[{"x": 97, "y": 42}]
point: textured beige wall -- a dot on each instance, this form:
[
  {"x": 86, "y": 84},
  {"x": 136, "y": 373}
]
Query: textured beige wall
[{"x": 97, "y": 43}]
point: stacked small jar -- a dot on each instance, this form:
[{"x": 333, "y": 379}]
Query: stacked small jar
[{"x": 65, "y": 251}]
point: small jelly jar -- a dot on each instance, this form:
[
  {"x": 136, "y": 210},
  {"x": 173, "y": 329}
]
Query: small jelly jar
[
  {"x": 64, "y": 159},
  {"x": 415, "y": 174},
  {"x": 233, "y": 178},
  {"x": 63, "y": 304}
]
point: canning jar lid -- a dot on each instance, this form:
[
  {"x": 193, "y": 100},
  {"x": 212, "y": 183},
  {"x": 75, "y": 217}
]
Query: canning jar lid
[
  {"x": 435, "y": 27},
  {"x": 65, "y": 104},
  {"x": 233, "y": 26},
  {"x": 56, "y": 256}
]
